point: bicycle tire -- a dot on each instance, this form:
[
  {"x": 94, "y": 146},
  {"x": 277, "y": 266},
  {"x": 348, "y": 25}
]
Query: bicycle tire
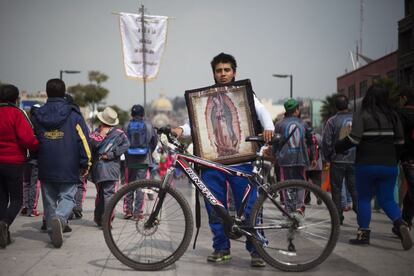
[
  {"x": 155, "y": 240},
  {"x": 276, "y": 247}
]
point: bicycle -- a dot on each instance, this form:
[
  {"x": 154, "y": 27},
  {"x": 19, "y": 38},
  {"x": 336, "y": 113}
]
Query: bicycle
[{"x": 285, "y": 238}]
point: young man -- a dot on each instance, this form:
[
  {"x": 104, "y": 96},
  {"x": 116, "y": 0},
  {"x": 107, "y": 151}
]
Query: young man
[
  {"x": 336, "y": 128},
  {"x": 224, "y": 71},
  {"x": 143, "y": 141},
  {"x": 294, "y": 157},
  {"x": 63, "y": 155}
]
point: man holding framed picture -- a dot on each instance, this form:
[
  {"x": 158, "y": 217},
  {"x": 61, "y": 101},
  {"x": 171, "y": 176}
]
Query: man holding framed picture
[{"x": 224, "y": 72}]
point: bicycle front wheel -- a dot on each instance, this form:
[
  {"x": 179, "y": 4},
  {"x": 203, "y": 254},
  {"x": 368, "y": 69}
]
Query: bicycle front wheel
[
  {"x": 304, "y": 238},
  {"x": 154, "y": 247}
]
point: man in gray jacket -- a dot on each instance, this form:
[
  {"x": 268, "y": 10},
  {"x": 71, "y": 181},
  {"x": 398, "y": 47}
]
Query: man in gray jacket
[
  {"x": 336, "y": 128},
  {"x": 108, "y": 143}
]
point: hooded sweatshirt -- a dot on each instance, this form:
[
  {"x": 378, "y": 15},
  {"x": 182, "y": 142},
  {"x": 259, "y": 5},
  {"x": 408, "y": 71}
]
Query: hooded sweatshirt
[{"x": 63, "y": 137}]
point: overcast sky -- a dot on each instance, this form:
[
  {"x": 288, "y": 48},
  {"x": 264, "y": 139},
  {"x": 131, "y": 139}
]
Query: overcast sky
[{"x": 310, "y": 39}]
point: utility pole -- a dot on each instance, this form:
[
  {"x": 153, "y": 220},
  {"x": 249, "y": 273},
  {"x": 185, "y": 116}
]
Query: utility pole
[{"x": 144, "y": 59}]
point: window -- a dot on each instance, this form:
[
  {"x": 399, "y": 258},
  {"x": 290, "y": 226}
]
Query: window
[
  {"x": 363, "y": 85},
  {"x": 351, "y": 92}
]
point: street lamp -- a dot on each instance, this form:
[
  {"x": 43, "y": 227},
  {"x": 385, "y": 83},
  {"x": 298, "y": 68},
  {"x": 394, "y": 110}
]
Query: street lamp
[
  {"x": 67, "y": 72},
  {"x": 291, "y": 81}
]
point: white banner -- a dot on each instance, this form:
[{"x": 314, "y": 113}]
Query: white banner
[{"x": 155, "y": 35}]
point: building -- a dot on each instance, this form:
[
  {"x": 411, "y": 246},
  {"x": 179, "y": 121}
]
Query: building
[
  {"x": 355, "y": 84},
  {"x": 406, "y": 45}
]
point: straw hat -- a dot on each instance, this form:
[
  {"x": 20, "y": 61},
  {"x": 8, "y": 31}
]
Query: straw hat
[{"x": 108, "y": 116}]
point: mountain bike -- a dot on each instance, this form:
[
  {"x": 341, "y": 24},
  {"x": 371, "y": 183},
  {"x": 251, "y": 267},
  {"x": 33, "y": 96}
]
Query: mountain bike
[{"x": 286, "y": 238}]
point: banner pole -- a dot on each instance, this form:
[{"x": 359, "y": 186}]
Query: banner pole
[{"x": 144, "y": 62}]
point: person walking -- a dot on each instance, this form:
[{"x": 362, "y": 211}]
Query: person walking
[
  {"x": 342, "y": 169},
  {"x": 224, "y": 72},
  {"x": 108, "y": 143},
  {"x": 17, "y": 137},
  {"x": 143, "y": 141},
  {"x": 296, "y": 155},
  {"x": 63, "y": 156},
  {"x": 376, "y": 129},
  {"x": 407, "y": 153}
]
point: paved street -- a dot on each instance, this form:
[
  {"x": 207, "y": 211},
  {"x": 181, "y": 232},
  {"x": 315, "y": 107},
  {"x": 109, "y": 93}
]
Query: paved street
[{"x": 84, "y": 251}]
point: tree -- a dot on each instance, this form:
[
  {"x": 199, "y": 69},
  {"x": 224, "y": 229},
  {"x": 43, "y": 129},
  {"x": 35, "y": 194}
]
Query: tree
[
  {"x": 179, "y": 103},
  {"x": 91, "y": 94},
  {"x": 328, "y": 108}
]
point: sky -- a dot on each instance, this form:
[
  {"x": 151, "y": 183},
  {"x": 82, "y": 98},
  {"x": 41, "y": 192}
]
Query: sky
[{"x": 310, "y": 39}]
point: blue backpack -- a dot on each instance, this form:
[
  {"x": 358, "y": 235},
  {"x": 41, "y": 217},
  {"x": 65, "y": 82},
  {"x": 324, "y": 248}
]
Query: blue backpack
[{"x": 138, "y": 138}]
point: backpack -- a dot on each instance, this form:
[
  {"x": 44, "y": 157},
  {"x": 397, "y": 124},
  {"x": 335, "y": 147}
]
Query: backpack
[{"x": 138, "y": 138}]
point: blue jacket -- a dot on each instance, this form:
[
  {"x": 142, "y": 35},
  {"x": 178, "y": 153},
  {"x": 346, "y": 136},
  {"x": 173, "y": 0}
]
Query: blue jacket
[{"x": 63, "y": 136}]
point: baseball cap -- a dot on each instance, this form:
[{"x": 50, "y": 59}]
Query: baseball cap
[{"x": 290, "y": 104}]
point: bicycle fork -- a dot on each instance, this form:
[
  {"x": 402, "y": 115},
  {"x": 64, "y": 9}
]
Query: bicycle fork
[{"x": 153, "y": 218}]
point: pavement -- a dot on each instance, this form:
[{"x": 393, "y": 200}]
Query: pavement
[{"x": 84, "y": 251}]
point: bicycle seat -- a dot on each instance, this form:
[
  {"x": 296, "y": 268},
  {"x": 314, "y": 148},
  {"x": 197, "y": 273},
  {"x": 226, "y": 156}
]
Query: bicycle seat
[{"x": 259, "y": 139}]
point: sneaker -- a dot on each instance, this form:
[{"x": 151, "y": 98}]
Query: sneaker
[
  {"x": 138, "y": 217},
  {"x": 98, "y": 222},
  {"x": 256, "y": 260},
  {"x": 3, "y": 234},
  {"x": 128, "y": 215},
  {"x": 56, "y": 235},
  {"x": 33, "y": 213},
  {"x": 77, "y": 212},
  {"x": 219, "y": 256},
  {"x": 44, "y": 226},
  {"x": 67, "y": 229},
  {"x": 23, "y": 211}
]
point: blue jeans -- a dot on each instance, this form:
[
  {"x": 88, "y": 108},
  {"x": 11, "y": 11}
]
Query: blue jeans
[
  {"x": 216, "y": 182},
  {"x": 58, "y": 200},
  {"x": 377, "y": 178},
  {"x": 346, "y": 198},
  {"x": 340, "y": 172}
]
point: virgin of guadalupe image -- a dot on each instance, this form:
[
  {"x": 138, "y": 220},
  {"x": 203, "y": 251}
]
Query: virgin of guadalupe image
[{"x": 223, "y": 124}]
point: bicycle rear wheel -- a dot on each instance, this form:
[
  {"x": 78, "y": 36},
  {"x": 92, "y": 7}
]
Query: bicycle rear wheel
[
  {"x": 155, "y": 247},
  {"x": 305, "y": 240}
]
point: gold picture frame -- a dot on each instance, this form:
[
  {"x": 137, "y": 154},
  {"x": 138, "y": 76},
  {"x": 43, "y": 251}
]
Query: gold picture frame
[{"x": 221, "y": 117}]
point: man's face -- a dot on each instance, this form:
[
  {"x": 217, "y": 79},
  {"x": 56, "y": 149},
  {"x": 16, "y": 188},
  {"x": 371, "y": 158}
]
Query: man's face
[{"x": 224, "y": 73}]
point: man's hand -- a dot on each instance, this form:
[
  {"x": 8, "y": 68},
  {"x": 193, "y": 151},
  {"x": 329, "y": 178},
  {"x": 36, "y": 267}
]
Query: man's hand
[
  {"x": 267, "y": 135},
  {"x": 178, "y": 131}
]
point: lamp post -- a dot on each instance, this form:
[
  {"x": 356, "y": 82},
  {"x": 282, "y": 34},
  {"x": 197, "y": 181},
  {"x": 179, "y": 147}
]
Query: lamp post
[
  {"x": 291, "y": 81},
  {"x": 67, "y": 72}
]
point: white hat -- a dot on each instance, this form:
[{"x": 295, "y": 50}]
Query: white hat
[{"x": 108, "y": 116}]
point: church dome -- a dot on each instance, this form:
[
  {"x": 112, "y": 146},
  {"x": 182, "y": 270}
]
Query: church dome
[{"x": 162, "y": 104}]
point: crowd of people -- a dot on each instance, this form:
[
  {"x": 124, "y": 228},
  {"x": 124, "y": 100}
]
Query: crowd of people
[{"x": 363, "y": 149}]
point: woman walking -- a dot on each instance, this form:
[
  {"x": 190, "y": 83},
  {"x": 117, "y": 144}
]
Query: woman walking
[
  {"x": 16, "y": 138},
  {"x": 376, "y": 130}
]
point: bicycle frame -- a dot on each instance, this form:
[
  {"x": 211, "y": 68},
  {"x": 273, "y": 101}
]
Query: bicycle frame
[{"x": 181, "y": 161}]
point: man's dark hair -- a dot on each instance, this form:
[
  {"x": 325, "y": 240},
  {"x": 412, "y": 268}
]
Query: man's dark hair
[
  {"x": 137, "y": 111},
  {"x": 224, "y": 58},
  {"x": 9, "y": 93},
  {"x": 407, "y": 92},
  {"x": 341, "y": 102},
  {"x": 55, "y": 88}
]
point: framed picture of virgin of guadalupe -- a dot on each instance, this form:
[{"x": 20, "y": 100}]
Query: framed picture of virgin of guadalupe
[{"x": 221, "y": 117}]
